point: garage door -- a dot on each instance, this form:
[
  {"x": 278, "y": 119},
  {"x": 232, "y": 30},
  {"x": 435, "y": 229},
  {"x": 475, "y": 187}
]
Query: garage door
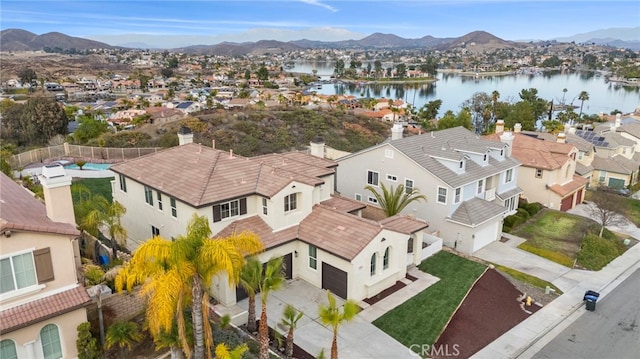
[
  {"x": 566, "y": 203},
  {"x": 486, "y": 235},
  {"x": 616, "y": 183},
  {"x": 334, "y": 280}
]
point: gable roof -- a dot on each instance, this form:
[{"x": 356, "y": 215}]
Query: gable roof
[
  {"x": 476, "y": 211},
  {"x": 199, "y": 175},
  {"x": 20, "y": 210},
  {"x": 452, "y": 143},
  {"x": 631, "y": 128},
  {"x": 536, "y": 153}
]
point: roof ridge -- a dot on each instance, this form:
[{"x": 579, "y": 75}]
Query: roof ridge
[{"x": 205, "y": 183}]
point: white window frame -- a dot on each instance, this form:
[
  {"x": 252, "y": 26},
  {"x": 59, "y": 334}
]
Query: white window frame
[
  {"x": 58, "y": 344},
  {"x": 265, "y": 208},
  {"x": 370, "y": 178},
  {"x": 480, "y": 186},
  {"x": 438, "y": 195},
  {"x": 148, "y": 195},
  {"x": 358, "y": 197},
  {"x": 408, "y": 188},
  {"x": 538, "y": 172},
  {"x": 386, "y": 259},
  {"x": 313, "y": 257},
  {"x": 373, "y": 264},
  {"x": 155, "y": 231},
  {"x": 392, "y": 178},
  {"x": 457, "y": 197},
  {"x": 159, "y": 195},
  {"x": 388, "y": 153},
  {"x": 17, "y": 290},
  {"x": 508, "y": 176},
  {"x": 123, "y": 183},
  {"x": 10, "y": 344},
  {"x": 174, "y": 207},
  {"x": 290, "y": 202},
  {"x": 230, "y": 209},
  {"x": 372, "y": 200}
]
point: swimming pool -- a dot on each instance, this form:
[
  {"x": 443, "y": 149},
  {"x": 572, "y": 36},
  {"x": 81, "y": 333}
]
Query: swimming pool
[{"x": 89, "y": 166}]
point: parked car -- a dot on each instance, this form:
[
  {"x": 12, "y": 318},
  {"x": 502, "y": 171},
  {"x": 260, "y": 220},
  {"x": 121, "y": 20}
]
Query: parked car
[{"x": 619, "y": 191}]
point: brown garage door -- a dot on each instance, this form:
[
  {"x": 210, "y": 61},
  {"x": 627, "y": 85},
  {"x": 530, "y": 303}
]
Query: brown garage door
[
  {"x": 566, "y": 203},
  {"x": 334, "y": 280}
]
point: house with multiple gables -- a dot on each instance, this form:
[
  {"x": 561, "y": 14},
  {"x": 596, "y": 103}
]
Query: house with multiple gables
[
  {"x": 288, "y": 199},
  {"x": 470, "y": 183},
  {"x": 42, "y": 301}
]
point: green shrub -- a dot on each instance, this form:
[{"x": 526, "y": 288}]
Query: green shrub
[
  {"x": 523, "y": 213},
  {"x": 532, "y": 208},
  {"x": 597, "y": 252},
  {"x": 86, "y": 344},
  {"x": 93, "y": 274}
]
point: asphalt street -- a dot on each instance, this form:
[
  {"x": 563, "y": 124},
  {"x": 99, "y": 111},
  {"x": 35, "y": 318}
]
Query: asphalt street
[{"x": 611, "y": 331}]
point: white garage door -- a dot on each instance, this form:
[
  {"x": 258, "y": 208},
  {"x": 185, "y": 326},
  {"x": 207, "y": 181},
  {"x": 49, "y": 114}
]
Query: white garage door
[{"x": 485, "y": 235}]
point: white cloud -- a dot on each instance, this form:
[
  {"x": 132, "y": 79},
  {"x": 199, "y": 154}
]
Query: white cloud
[{"x": 318, "y": 3}]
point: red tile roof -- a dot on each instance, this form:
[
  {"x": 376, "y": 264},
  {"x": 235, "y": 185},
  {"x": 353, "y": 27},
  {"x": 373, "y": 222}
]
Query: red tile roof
[
  {"x": 42, "y": 309},
  {"x": 536, "y": 153},
  {"x": 570, "y": 187},
  {"x": 20, "y": 210},
  {"x": 343, "y": 204}
]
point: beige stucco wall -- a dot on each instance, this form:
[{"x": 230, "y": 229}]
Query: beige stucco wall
[{"x": 27, "y": 340}]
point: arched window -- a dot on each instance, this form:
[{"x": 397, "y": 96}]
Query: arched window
[
  {"x": 410, "y": 245},
  {"x": 50, "y": 339},
  {"x": 374, "y": 258},
  {"x": 385, "y": 259},
  {"x": 8, "y": 349}
]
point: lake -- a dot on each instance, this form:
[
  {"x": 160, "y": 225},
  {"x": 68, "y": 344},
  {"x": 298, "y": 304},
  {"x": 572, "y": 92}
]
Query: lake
[{"x": 454, "y": 89}]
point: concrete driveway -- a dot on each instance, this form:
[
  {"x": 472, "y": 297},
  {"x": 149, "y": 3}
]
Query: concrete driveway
[{"x": 625, "y": 226}]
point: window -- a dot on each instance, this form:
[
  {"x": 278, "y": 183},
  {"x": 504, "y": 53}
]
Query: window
[
  {"x": 385, "y": 259},
  {"x": 388, "y": 153},
  {"x": 18, "y": 272},
  {"x": 461, "y": 164},
  {"x": 372, "y": 200},
  {"x": 290, "y": 202},
  {"x": 538, "y": 173},
  {"x": 265, "y": 209},
  {"x": 148, "y": 195},
  {"x": 509, "y": 176},
  {"x": 358, "y": 197},
  {"x": 392, "y": 178},
  {"x": 408, "y": 185},
  {"x": 374, "y": 259},
  {"x": 480, "y": 186},
  {"x": 501, "y": 153},
  {"x": 442, "y": 195},
  {"x": 372, "y": 178},
  {"x": 510, "y": 204},
  {"x": 485, "y": 158},
  {"x": 410, "y": 245},
  {"x": 458, "y": 195},
  {"x": 174, "y": 209},
  {"x": 155, "y": 231},
  {"x": 603, "y": 175},
  {"x": 313, "y": 257},
  {"x": 50, "y": 339},
  {"x": 159, "y": 200},
  {"x": 229, "y": 209},
  {"x": 123, "y": 183},
  {"x": 8, "y": 349},
  {"x": 580, "y": 156}
]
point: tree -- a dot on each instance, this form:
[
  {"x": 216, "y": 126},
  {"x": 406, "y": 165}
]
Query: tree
[
  {"x": 479, "y": 105},
  {"x": 89, "y": 128},
  {"x": 377, "y": 66},
  {"x": 393, "y": 201},
  {"x": 263, "y": 73},
  {"x": 449, "y": 120},
  {"x": 223, "y": 352},
  {"x": 27, "y": 76},
  {"x": 86, "y": 344},
  {"x": 250, "y": 277},
  {"x": 123, "y": 334},
  {"x": 178, "y": 273},
  {"x": 105, "y": 214},
  {"x": 35, "y": 122},
  {"x": 401, "y": 70},
  {"x": 584, "y": 96},
  {"x": 538, "y": 105},
  {"x": 339, "y": 69},
  {"x": 272, "y": 279},
  {"x": 290, "y": 319},
  {"x": 607, "y": 209},
  {"x": 331, "y": 315}
]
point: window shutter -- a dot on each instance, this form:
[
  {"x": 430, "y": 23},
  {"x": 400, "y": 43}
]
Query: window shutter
[
  {"x": 44, "y": 265},
  {"x": 243, "y": 206},
  {"x": 217, "y": 217}
]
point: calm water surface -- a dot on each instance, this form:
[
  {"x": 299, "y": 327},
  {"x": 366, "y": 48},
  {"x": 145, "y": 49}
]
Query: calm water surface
[{"x": 454, "y": 89}]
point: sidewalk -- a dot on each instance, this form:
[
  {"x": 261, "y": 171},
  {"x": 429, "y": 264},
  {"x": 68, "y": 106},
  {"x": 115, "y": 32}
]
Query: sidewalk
[{"x": 531, "y": 335}]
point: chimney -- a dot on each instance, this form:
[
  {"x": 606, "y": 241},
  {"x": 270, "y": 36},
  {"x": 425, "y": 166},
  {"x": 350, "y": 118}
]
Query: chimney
[
  {"x": 317, "y": 146},
  {"x": 396, "y": 131},
  {"x": 618, "y": 120},
  {"x": 517, "y": 128},
  {"x": 562, "y": 138},
  {"x": 499, "y": 126},
  {"x": 56, "y": 185},
  {"x": 507, "y": 137},
  {"x": 185, "y": 136}
]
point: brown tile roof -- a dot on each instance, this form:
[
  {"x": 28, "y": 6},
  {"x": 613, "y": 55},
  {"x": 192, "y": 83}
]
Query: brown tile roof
[
  {"x": 19, "y": 210},
  {"x": 42, "y": 309},
  {"x": 200, "y": 175},
  {"x": 533, "y": 152},
  {"x": 269, "y": 238},
  {"x": 343, "y": 204},
  {"x": 403, "y": 224},
  {"x": 570, "y": 187}
]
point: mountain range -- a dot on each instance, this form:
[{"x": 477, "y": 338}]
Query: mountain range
[{"x": 22, "y": 40}]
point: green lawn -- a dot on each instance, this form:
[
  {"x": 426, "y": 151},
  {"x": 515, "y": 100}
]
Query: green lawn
[
  {"x": 421, "y": 319},
  {"x": 97, "y": 186}
]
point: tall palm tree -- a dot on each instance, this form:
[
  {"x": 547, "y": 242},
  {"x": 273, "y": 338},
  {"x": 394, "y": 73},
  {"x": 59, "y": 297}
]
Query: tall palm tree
[
  {"x": 333, "y": 316},
  {"x": 584, "y": 96},
  {"x": 564, "y": 92},
  {"x": 250, "y": 277},
  {"x": 495, "y": 95},
  {"x": 109, "y": 215},
  {"x": 272, "y": 279},
  {"x": 393, "y": 201},
  {"x": 178, "y": 273},
  {"x": 290, "y": 319}
]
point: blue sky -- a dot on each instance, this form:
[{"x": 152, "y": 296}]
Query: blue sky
[{"x": 165, "y": 23}]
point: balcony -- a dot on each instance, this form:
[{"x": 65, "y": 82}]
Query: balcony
[{"x": 490, "y": 194}]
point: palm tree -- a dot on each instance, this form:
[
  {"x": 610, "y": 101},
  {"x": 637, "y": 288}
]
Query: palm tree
[
  {"x": 105, "y": 214},
  {"x": 178, "y": 273},
  {"x": 290, "y": 318},
  {"x": 123, "y": 334},
  {"x": 272, "y": 279},
  {"x": 393, "y": 201},
  {"x": 223, "y": 352},
  {"x": 250, "y": 277},
  {"x": 333, "y": 316},
  {"x": 495, "y": 95},
  {"x": 584, "y": 96},
  {"x": 564, "y": 92}
]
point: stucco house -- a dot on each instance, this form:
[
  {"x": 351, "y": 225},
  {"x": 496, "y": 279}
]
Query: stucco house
[
  {"x": 547, "y": 172},
  {"x": 41, "y": 299},
  {"x": 470, "y": 183},
  {"x": 288, "y": 199}
]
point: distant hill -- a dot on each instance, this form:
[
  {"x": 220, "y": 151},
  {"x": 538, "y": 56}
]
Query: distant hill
[
  {"x": 248, "y": 48},
  {"x": 623, "y": 37},
  {"x": 21, "y": 40}
]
